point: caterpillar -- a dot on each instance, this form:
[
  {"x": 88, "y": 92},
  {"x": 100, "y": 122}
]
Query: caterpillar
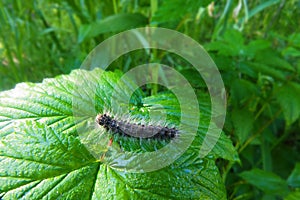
[{"x": 135, "y": 130}]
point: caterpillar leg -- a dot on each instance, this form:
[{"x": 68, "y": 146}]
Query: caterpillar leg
[{"x": 109, "y": 144}]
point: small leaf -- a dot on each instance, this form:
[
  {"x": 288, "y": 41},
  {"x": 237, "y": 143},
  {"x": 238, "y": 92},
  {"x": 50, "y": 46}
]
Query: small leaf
[
  {"x": 268, "y": 182},
  {"x": 114, "y": 23},
  {"x": 291, "y": 51},
  {"x": 236, "y": 40},
  {"x": 294, "y": 178},
  {"x": 272, "y": 59},
  {"x": 175, "y": 10},
  {"x": 242, "y": 91},
  {"x": 294, "y": 39},
  {"x": 261, "y": 68},
  {"x": 293, "y": 196},
  {"x": 289, "y": 99},
  {"x": 256, "y": 46},
  {"x": 243, "y": 121},
  {"x": 225, "y": 149},
  {"x": 231, "y": 44}
]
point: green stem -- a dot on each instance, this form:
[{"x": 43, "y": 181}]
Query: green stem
[
  {"x": 115, "y": 4},
  {"x": 282, "y": 137},
  {"x": 260, "y": 111},
  {"x": 154, "y": 5},
  {"x": 226, "y": 170},
  {"x": 278, "y": 141},
  {"x": 244, "y": 196},
  {"x": 246, "y": 10},
  {"x": 259, "y": 131},
  {"x": 274, "y": 18},
  {"x": 223, "y": 19},
  {"x": 229, "y": 165}
]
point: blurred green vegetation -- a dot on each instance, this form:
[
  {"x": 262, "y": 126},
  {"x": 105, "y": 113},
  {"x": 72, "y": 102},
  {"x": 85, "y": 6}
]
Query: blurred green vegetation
[{"x": 255, "y": 44}]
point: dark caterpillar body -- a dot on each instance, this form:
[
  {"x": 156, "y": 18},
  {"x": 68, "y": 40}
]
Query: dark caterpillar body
[{"x": 135, "y": 130}]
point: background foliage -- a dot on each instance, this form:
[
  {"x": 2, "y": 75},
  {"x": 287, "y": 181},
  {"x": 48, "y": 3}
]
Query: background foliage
[{"x": 255, "y": 44}]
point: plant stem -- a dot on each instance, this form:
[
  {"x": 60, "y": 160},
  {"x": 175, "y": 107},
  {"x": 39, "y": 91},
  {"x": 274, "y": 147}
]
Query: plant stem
[
  {"x": 154, "y": 5},
  {"x": 115, "y": 6},
  {"x": 259, "y": 131}
]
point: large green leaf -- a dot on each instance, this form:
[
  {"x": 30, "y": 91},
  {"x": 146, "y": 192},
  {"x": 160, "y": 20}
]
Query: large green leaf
[
  {"x": 39, "y": 163},
  {"x": 42, "y": 156}
]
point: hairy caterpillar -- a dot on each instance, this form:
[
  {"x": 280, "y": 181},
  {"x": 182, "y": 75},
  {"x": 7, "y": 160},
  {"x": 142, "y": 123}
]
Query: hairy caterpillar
[{"x": 135, "y": 130}]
